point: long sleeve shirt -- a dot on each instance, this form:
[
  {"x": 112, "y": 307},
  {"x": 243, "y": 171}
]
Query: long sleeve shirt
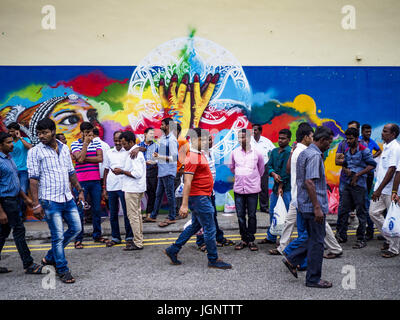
[{"x": 248, "y": 167}]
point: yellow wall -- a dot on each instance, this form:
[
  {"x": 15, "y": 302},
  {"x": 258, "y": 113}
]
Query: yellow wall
[{"x": 257, "y": 32}]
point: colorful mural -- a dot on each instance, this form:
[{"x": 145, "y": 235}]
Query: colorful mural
[{"x": 200, "y": 84}]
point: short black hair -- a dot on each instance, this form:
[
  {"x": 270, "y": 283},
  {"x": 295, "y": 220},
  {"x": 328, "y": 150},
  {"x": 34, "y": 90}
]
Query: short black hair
[
  {"x": 244, "y": 130},
  {"x": 128, "y": 136},
  {"x": 198, "y": 133},
  {"x": 96, "y": 131},
  {"x": 286, "y": 132},
  {"x": 167, "y": 120},
  {"x": 355, "y": 122},
  {"x": 13, "y": 125},
  {"x": 394, "y": 128},
  {"x": 259, "y": 126},
  {"x": 366, "y": 126},
  {"x": 323, "y": 132},
  {"x": 304, "y": 129},
  {"x": 178, "y": 128},
  {"x": 351, "y": 132},
  {"x": 4, "y": 136},
  {"x": 58, "y": 135},
  {"x": 148, "y": 129},
  {"x": 86, "y": 126},
  {"x": 46, "y": 124},
  {"x": 118, "y": 131}
]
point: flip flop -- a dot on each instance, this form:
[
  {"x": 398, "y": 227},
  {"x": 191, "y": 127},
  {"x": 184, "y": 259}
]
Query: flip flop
[{"x": 4, "y": 270}]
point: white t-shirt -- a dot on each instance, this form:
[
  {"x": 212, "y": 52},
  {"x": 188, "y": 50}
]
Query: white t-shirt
[
  {"x": 263, "y": 146},
  {"x": 390, "y": 157},
  {"x": 104, "y": 147},
  {"x": 295, "y": 155},
  {"x": 114, "y": 159}
]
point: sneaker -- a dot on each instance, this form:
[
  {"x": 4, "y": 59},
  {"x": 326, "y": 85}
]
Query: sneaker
[
  {"x": 173, "y": 257},
  {"x": 219, "y": 264}
]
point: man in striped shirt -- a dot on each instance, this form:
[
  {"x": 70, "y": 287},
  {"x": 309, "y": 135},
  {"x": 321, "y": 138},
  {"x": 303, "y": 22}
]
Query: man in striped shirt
[
  {"x": 51, "y": 171},
  {"x": 88, "y": 154}
]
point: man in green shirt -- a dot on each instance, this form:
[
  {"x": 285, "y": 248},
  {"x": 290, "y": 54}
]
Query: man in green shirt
[{"x": 277, "y": 170}]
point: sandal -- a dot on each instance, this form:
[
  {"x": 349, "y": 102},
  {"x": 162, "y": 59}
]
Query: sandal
[
  {"x": 166, "y": 223},
  {"x": 203, "y": 248},
  {"x": 102, "y": 240},
  {"x": 66, "y": 277},
  {"x": 111, "y": 243},
  {"x": 331, "y": 255},
  {"x": 389, "y": 254},
  {"x": 240, "y": 245},
  {"x": 148, "y": 219},
  {"x": 265, "y": 241},
  {"x": 385, "y": 246},
  {"x": 225, "y": 243},
  {"x": 274, "y": 252},
  {"x": 34, "y": 269},
  {"x": 4, "y": 270},
  {"x": 359, "y": 244},
  {"x": 253, "y": 246},
  {"x": 78, "y": 245}
]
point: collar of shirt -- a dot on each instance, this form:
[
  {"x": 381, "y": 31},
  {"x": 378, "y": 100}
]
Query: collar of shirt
[
  {"x": 314, "y": 147},
  {"x": 59, "y": 144},
  {"x": 390, "y": 144},
  {"x": 4, "y": 156}
]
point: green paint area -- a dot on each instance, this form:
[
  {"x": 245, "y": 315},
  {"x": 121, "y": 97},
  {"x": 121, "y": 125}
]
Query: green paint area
[
  {"x": 31, "y": 92},
  {"x": 268, "y": 111},
  {"x": 113, "y": 96}
]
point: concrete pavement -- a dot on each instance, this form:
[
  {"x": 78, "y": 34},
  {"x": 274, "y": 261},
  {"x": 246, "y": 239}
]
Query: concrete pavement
[{"x": 38, "y": 230}]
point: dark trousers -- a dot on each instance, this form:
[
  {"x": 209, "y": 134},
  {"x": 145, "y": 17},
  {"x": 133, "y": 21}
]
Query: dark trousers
[
  {"x": 220, "y": 234},
  {"x": 177, "y": 183},
  {"x": 165, "y": 184},
  {"x": 11, "y": 207},
  {"x": 247, "y": 204},
  {"x": 352, "y": 197},
  {"x": 151, "y": 187},
  {"x": 312, "y": 248},
  {"x": 370, "y": 223},
  {"x": 114, "y": 198},
  {"x": 263, "y": 196}
]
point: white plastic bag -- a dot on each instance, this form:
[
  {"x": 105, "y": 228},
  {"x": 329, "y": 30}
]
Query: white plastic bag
[
  {"x": 391, "y": 226},
  {"x": 229, "y": 204},
  {"x": 179, "y": 190},
  {"x": 278, "y": 221}
]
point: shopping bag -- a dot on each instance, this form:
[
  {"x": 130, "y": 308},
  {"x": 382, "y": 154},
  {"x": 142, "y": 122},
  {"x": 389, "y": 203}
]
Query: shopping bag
[
  {"x": 391, "y": 225},
  {"x": 179, "y": 190},
  {"x": 278, "y": 221},
  {"x": 333, "y": 200},
  {"x": 229, "y": 204}
]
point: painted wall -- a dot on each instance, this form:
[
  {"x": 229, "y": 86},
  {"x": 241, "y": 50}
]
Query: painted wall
[{"x": 128, "y": 64}]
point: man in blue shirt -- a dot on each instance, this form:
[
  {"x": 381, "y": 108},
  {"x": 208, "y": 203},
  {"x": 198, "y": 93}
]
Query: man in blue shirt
[
  {"x": 166, "y": 158},
  {"x": 312, "y": 201},
  {"x": 19, "y": 155},
  {"x": 10, "y": 190},
  {"x": 356, "y": 164}
]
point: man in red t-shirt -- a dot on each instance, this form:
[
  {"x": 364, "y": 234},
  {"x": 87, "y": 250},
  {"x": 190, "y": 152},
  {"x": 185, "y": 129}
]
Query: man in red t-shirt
[{"x": 198, "y": 186}]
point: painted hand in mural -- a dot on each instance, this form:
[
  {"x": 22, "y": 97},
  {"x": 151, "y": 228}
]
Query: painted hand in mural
[{"x": 188, "y": 100}]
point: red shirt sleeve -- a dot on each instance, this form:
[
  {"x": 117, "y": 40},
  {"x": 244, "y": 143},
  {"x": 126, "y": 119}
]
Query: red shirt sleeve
[{"x": 190, "y": 165}]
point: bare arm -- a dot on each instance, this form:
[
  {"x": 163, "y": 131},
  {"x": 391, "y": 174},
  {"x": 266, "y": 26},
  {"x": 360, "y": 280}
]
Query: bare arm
[
  {"x": 97, "y": 159},
  {"x": 183, "y": 212},
  {"x": 389, "y": 174}
]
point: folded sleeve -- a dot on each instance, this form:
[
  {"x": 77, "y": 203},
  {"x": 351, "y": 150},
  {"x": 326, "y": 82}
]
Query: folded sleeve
[{"x": 33, "y": 164}]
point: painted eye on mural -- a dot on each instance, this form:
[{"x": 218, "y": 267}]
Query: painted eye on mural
[{"x": 70, "y": 120}]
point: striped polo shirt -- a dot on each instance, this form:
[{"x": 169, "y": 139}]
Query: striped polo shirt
[{"x": 87, "y": 171}]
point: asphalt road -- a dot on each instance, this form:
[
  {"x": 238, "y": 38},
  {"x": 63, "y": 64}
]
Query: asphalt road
[{"x": 111, "y": 273}]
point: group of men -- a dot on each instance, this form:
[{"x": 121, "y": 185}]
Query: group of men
[{"x": 62, "y": 180}]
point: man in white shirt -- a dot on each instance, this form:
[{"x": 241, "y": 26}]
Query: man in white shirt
[
  {"x": 134, "y": 186},
  {"x": 382, "y": 196},
  {"x": 264, "y": 146},
  {"x": 112, "y": 190},
  {"x": 104, "y": 146}
]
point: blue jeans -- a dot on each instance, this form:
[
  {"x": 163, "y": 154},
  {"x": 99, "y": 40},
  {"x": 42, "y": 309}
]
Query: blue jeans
[
  {"x": 94, "y": 189},
  {"x": 219, "y": 233},
  {"x": 24, "y": 182},
  {"x": 202, "y": 216},
  {"x": 273, "y": 200},
  {"x": 55, "y": 213},
  {"x": 113, "y": 197},
  {"x": 165, "y": 184},
  {"x": 302, "y": 236}
]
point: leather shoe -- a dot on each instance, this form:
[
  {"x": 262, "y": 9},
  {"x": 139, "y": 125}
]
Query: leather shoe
[{"x": 321, "y": 284}]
